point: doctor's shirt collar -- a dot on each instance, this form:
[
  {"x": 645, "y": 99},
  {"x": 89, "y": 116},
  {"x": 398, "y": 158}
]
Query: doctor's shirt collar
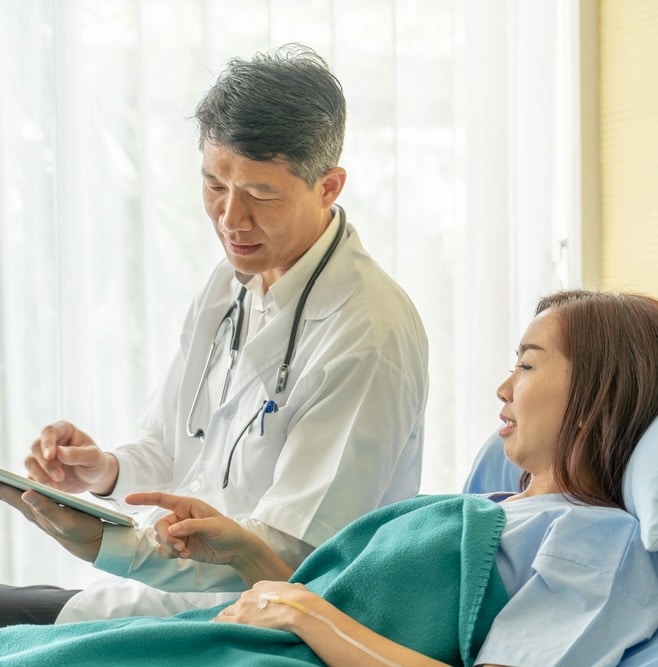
[{"x": 292, "y": 282}]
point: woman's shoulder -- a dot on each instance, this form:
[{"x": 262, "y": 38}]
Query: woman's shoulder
[{"x": 598, "y": 536}]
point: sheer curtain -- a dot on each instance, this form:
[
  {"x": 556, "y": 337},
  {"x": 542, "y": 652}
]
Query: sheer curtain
[{"x": 461, "y": 165}]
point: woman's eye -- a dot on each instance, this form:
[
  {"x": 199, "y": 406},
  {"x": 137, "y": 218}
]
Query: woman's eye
[{"x": 523, "y": 367}]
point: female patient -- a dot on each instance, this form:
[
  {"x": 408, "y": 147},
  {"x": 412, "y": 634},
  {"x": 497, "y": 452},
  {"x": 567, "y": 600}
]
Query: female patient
[{"x": 581, "y": 586}]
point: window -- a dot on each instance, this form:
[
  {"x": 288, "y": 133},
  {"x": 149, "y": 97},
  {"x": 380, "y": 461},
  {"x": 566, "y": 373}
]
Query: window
[{"x": 460, "y": 165}]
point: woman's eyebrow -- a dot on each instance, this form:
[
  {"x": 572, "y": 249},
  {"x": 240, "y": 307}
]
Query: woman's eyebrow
[{"x": 529, "y": 346}]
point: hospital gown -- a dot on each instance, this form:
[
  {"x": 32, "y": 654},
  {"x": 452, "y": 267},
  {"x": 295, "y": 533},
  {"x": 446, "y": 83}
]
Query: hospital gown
[{"x": 583, "y": 586}]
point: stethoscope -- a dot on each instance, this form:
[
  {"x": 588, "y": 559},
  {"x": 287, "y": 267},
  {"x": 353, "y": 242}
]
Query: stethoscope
[{"x": 234, "y": 325}]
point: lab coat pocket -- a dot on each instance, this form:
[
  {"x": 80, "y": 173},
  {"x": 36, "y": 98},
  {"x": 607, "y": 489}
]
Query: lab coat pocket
[{"x": 257, "y": 452}]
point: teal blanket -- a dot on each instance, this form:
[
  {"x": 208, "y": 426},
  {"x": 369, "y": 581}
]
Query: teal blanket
[{"x": 422, "y": 572}]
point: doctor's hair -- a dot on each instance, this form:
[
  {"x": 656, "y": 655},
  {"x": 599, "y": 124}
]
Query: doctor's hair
[
  {"x": 284, "y": 104},
  {"x": 611, "y": 340}
]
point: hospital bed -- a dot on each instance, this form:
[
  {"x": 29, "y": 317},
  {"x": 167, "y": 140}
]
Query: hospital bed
[{"x": 493, "y": 472}]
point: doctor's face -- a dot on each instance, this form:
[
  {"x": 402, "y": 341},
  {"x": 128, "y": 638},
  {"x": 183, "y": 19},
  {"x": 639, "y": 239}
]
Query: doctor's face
[
  {"x": 265, "y": 217},
  {"x": 535, "y": 396}
]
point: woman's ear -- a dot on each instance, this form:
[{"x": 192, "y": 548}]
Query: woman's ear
[{"x": 332, "y": 183}]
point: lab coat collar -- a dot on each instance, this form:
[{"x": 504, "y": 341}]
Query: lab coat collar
[{"x": 290, "y": 285}]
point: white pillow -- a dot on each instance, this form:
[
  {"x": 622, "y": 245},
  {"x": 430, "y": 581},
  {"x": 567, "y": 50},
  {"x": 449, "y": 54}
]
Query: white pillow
[{"x": 640, "y": 486}]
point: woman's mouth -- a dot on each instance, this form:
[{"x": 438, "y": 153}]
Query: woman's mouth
[{"x": 509, "y": 426}]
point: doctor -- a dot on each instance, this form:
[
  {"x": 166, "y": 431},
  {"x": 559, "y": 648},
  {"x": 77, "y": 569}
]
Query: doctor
[{"x": 296, "y": 401}]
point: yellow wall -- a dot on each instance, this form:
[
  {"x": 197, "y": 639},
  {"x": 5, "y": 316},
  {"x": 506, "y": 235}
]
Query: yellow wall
[{"x": 628, "y": 126}]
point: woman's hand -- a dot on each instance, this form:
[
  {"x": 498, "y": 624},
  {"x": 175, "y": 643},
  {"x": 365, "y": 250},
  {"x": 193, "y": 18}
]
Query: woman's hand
[
  {"x": 253, "y": 608},
  {"x": 339, "y": 641}
]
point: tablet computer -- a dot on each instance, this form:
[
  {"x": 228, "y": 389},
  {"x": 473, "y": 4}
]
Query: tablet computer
[{"x": 67, "y": 499}]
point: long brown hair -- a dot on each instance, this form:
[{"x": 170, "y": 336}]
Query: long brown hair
[{"x": 611, "y": 340}]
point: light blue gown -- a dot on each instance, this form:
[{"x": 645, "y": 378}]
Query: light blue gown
[{"x": 603, "y": 562}]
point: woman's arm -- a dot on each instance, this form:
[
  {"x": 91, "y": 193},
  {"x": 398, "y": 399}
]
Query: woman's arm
[
  {"x": 196, "y": 530},
  {"x": 337, "y": 638}
]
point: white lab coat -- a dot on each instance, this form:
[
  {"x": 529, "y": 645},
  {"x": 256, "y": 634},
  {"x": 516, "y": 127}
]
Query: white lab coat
[{"x": 346, "y": 439}]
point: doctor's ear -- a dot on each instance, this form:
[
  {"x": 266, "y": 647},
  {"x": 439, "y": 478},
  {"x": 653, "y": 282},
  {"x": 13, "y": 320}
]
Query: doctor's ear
[{"x": 332, "y": 183}]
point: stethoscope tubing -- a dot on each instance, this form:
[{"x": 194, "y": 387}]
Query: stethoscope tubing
[
  {"x": 234, "y": 345},
  {"x": 236, "y": 332},
  {"x": 282, "y": 372}
]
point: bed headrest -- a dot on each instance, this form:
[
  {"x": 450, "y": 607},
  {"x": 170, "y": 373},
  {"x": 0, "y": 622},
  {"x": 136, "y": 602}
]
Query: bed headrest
[{"x": 640, "y": 486}]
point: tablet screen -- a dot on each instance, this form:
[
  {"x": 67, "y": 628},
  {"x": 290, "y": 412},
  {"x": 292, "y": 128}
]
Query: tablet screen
[{"x": 67, "y": 499}]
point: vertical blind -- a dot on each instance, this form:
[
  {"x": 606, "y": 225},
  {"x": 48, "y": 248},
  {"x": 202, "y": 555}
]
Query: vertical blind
[{"x": 460, "y": 161}]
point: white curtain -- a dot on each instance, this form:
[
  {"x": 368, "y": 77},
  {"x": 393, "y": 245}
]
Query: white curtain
[{"x": 462, "y": 173}]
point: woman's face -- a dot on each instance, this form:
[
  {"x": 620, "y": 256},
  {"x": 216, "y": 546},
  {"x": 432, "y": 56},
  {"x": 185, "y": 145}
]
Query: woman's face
[{"x": 535, "y": 396}]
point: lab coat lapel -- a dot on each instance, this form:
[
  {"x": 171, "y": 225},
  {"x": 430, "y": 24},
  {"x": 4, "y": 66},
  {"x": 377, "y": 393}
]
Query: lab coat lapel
[{"x": 264, "y": 352}]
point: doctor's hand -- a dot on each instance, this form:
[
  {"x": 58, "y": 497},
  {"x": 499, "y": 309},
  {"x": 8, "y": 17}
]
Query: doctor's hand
[
  {"x": 66, "y": 458},
  {"x": 77, "y": 532},
  {"x": 193, "y": 529}
]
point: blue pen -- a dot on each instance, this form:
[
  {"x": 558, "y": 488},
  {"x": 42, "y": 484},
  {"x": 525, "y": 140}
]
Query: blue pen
[{"x": 266, "y": 407}]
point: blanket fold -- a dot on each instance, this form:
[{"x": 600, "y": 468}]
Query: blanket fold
[{"x": 421, "y": 572}]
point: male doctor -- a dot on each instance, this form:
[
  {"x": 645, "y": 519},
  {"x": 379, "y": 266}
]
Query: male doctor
[{"x": 310, "y": 411}]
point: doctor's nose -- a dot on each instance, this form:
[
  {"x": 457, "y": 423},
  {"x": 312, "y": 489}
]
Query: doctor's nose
[{"x": 235, "y": 215}]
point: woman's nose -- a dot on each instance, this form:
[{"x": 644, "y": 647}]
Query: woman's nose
[{"x": 504, "y": 391}]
